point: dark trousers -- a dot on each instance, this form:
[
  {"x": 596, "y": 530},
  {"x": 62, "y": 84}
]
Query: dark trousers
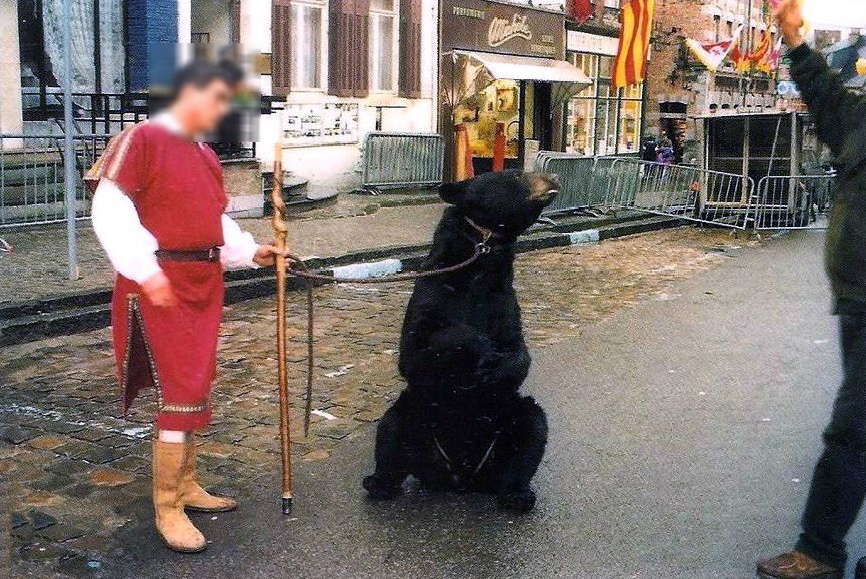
[{"x": 839, "y": 483}]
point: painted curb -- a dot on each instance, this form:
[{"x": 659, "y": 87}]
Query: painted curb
[{"x": 40, "y": 319}]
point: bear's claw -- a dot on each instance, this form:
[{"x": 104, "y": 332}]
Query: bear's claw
[
  {"x": 517, "y": 501},
  {"x": 378, "y": 491}
]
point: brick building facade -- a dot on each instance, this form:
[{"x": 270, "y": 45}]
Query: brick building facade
[{"x": 678, "y": 87}]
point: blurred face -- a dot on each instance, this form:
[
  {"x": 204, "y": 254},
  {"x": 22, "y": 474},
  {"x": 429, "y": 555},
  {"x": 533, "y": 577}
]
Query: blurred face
[{"x": 205, "y": 106}]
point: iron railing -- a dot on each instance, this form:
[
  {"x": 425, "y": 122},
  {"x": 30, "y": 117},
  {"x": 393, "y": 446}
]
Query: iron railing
[{"x": 32, "y": 187}]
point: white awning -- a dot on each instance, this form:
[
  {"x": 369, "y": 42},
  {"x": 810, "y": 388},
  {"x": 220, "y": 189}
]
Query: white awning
[{"x": 505, "y": 66}]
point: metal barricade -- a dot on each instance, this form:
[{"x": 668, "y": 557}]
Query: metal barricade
[
  {"x": 396, "y": 160},
  {"x": 794, "y": 201},
  {"x": 700, "y": 195},
  {"x": 576, "y": 176},
  {"x": 584, "y": 181},
  {"x": 32, "y": 177}
]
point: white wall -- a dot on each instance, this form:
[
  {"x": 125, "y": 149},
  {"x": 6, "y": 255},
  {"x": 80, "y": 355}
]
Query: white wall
[
  {"x": 10, "y": 70},
  {"x": 335, "y": 167}
]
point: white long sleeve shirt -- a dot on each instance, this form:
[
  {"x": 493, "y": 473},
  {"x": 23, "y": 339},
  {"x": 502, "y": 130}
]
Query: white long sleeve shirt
[{"x": 130, "y": 246}]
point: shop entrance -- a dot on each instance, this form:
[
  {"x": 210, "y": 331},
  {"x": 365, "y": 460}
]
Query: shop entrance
[
  {"x": 519, "y": 108},
  {"x": 503, "y": 97}
]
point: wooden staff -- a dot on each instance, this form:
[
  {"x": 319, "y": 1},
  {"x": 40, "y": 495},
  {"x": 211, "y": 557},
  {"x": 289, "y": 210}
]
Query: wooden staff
[{"x": 280, "y": 230}]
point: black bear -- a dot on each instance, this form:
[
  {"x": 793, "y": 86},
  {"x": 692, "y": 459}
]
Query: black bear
[{"x": 461, "y": 423}]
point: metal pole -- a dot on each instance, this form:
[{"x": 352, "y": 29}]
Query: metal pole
[
  {"x": 748, "y": 49},
  {"x": 69, "y": 179}
]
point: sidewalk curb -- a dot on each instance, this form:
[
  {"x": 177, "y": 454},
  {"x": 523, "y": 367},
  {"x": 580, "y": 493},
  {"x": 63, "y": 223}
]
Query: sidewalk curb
[{"x": 24, "y": 322}]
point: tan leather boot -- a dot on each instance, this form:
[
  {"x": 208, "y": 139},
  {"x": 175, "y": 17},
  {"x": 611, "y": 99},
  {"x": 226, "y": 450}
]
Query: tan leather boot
[
  {"x": 194, "y": 497},
  {"x": 176, "y": 530}
]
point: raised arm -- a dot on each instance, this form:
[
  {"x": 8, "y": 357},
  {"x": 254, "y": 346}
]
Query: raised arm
[{"x": 838, "y": 112}]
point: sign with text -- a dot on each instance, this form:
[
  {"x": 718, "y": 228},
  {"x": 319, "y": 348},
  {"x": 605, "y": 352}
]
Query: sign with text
[{"x": 504, "y": 28}]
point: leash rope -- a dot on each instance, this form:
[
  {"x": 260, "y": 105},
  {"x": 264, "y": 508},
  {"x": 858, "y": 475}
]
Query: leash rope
[{"x": 300, "y": 270}]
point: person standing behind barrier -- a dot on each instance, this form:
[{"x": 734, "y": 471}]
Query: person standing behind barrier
[{"x": 839, "y": 481}]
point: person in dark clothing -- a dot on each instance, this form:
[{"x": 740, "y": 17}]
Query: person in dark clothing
[
  {"x": 649, "y": 149},
  {"x": 839, "y": 482}
]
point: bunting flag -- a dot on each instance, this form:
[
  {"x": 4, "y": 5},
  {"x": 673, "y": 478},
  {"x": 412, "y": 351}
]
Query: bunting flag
[
  {"x": 629, "y": 67},
  {"x": 746, "y": 63},
  {"x": 579, "y": 10},
  {"x": 761, "y": 51},
  {"x": 771, "y": 63},
  {"x": 739, "y": 60},
  {"x": 712, "y": 55}
]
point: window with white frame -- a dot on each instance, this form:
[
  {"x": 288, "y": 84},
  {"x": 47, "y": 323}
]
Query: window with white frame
[
  {"x": 306, "y": 42},
  {"x": 382, "y": 45}
]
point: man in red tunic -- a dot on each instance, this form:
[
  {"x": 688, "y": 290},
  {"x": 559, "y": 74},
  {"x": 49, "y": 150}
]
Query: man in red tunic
[{"x": 158, "y": 212}]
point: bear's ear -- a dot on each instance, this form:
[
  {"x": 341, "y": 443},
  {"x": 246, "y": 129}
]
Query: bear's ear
[{"x": 452, "y": 192}]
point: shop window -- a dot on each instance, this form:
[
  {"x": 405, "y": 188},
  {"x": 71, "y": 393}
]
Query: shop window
[
  {"x": 306, "y": 42},
  {"x": 629, "y": 126},
  {"x": 382, "y": 41},
  {"x": 498, "y": 103},
  {"x": 600, "y": 120},
  {"x": 98, "y": 49}
]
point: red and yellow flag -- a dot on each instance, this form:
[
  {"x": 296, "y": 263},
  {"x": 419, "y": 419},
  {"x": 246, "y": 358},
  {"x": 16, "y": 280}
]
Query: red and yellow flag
[
  {"x": 579, "y": 10},
  {"x": 629, "y": 67}
]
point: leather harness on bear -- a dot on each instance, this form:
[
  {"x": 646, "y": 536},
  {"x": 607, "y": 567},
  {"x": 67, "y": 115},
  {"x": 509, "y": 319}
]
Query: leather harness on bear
[
  {"x": 459, "y": 475},
  {"x": 480, "y": 248}
]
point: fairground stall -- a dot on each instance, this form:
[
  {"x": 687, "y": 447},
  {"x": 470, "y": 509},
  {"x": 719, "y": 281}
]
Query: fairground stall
[
  {"x": 785, "y": 181},
  {"x": 762, "y": 170}
]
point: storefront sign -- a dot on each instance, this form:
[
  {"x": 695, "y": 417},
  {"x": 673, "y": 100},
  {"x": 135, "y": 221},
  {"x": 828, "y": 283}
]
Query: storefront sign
[
  {"x": 504, "y": 28},
  {"x": 591, "y": 43}
]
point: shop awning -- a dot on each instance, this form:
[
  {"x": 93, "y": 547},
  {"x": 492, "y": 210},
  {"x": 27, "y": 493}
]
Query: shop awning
[
  {"x": 471, "y": 72},
  {"x": 506, "y": 66}
]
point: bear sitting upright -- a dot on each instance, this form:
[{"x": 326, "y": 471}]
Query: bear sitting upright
[{"x": 461, "y": 423}]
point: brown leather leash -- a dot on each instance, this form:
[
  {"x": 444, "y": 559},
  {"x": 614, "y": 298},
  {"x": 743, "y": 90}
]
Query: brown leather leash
[{"x": 300, "y": 270}]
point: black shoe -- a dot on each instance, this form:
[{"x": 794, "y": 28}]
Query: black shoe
[{"x": 796, "y": 565}]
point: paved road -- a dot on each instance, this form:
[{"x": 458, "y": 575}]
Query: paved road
[{"x": 683, "y": 435}]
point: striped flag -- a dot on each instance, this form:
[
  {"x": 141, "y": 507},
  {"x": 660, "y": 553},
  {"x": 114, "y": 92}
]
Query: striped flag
[{"x": 629, "y": 67}]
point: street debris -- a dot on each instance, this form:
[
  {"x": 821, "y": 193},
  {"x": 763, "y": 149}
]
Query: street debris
[{"x": 323, "y": 414}]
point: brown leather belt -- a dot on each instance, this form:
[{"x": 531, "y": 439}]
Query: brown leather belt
[{"x": 212, "y": 254}]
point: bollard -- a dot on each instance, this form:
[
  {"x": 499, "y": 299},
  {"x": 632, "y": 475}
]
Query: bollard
[{"x": 463, "y": 154}]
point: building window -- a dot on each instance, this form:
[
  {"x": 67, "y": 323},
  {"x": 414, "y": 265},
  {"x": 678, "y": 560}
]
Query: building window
[
  {"x": 306, "y": 49},
  {"x": 98, "y": 49},
  {"x": 601, "y": 121},
  {"x": 382, "y": 23}
]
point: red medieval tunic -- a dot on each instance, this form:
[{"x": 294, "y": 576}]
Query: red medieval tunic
[{"x": 177, "y": 188}]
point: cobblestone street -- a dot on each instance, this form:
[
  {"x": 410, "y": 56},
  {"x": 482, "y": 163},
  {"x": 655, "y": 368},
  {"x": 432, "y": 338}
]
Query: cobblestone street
[{"x": 77, "y": 471}]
